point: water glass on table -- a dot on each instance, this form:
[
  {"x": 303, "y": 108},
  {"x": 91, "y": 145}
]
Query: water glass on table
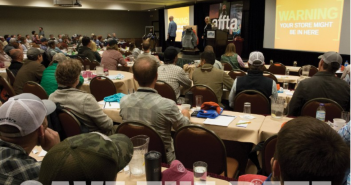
[
  {"x": 247, "y": 108},
  {"x": 200, "y": 171},
  {"x": 198, "y": 100}
]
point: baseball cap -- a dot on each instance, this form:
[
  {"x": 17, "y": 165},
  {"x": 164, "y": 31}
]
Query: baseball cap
[
  {"x": 35, "y": 52},
  {"x": 59, "y": 57},
  {"x": 112, "y": 42},
  {"x": 256, "y": 56},
  {"x": 86, "y": 157},
  {"x": 43, "y": 39},
  {"x": 177, "y": 172},
  {"x": 331, "y": 56},
  {"x": 170, "y": 53},
  {"x": 26, "y": 112}
]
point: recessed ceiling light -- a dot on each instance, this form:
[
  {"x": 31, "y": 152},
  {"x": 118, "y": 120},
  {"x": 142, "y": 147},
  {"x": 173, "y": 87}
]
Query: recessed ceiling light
[
  {"x": 155, "y": 9},
  {"x": 148, "y": 10},
  {"x": 128, "y": 10}
]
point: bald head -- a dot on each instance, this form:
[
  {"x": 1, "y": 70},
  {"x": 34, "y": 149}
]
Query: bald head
[
  {"x": 145, "y": 71},
  {"x": 16, "y": 54}
]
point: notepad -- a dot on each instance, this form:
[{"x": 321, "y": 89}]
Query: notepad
[
  {"x": 220, "y": 121},
  {"x": 42, "y": 153},
  {"x": 111, "y": 105}
]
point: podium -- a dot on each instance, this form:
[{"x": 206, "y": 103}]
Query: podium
[{"x": 218, "y": 40}]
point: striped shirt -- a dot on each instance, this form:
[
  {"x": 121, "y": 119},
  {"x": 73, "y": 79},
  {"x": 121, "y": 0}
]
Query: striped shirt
[
  {"x": 16, "y": 166},
  {"x": 174, "y": 76},
  {"x": 148, "y": 107}
]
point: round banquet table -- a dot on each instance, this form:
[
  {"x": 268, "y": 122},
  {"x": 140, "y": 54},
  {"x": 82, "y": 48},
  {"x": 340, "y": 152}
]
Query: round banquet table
[{"x": 123, "y": 86}]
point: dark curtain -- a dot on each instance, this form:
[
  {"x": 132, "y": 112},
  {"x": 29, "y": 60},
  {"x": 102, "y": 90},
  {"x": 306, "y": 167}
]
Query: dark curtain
[
  {"x": 256, "y": 25},
  {"x": 201, "y": 10},
  {"x": 161, "y": 17}
]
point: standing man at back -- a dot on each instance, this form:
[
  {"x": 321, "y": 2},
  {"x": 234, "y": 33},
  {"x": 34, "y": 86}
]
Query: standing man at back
[
  {"x": 323, "y": 84},
  {"x": 172, "y": 32},
  {"x": 211, "y": 76},
  {"x": 148, "y": 107}
]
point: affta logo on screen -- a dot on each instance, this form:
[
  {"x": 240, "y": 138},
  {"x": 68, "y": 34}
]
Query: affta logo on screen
[
  {"x": 251, "y": 182},
  {"x": 224, "y": 22}
]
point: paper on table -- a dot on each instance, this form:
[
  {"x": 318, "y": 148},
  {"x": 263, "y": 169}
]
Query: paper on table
[
  {"x": 247, "y": 116},
  {"x": 42, "y": 153},
  {"x": 112, "y": 105},
  {"x": 289, "y": 93},
  {"x": 220, "y": 121},
  {"x": 242, "y": 123}
]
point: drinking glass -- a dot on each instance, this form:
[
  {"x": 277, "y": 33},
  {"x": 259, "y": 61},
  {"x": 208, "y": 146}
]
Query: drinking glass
[
  {"x": 345, "y": 116},
  {"x": 87, "y": 67},
  {"x": 198, "y": 100},
  {"x": 285, "y": 85},
  {"x": 247, "y": 108},
  {"x": 306, "y": 70},
  {"x": 200, "y": 171}
]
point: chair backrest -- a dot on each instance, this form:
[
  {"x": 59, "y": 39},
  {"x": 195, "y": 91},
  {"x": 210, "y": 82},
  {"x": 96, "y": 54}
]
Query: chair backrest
[
  {"x": 332, "y": 108},
  {"x": 165, "y": 90},
  {"x": 36, "y": 89},
  {"x": 235, "y": 73},
  {"x": 206, "y": 92},
  {"x": 133, "y": 128},
  {"x": 101, "y": 86},
  {"x": 267, "y": 154},
  {"x": 4, "y": 84},
  {"x": 227, "y": 67},
  {"x": 313, "y": 70},
  {"x": 10, "y": 76},
  {"x": 194, "y": 143},
  {"x": 270, "y": 75},
  {"x": 93, "y": 65},
  {"x": 69, "y": 123},
  {"x": 86, "y": 62},
  {"x": 277, "y": 68},
  {"x": 259, "y": 102}
]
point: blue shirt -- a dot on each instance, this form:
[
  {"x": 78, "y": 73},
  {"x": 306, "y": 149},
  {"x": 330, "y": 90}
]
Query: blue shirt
[{"x": 172, "y": 29}]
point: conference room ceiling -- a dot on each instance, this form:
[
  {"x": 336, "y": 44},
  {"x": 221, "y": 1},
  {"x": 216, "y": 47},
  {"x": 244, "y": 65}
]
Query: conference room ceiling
[{"x": 132, "y": 5}]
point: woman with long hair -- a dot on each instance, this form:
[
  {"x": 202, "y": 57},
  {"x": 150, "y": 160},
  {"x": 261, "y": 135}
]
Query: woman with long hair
[{"x": 230, "y": 56}]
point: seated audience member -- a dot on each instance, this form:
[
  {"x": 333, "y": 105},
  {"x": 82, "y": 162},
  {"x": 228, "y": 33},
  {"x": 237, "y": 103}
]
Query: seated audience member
[
  {"x": 3, "y": 56},
  {"x": 323, "y": 84},
  {"x": 135, "y": 51},
  {"x": 147, "y": 52},
  {"x": 230, "y": 56},
  {"x": 23, "y": 44},
  {"x": 105, "y": 155},
  {"x": 31, "y": 70},
  {"x": 37, "y": 39},
  {"x": 50, "y": 51},
  {"x": 28, "y": 40},
  {"x": 254, "y": 80},
  {"x": 147, "y": 106},
  {"x": 18, "y": 37},
  {"x": 12, "y": 45},
  {"x": 43, "y": 44},
  {"x": 33, "y": 35},
  {"x": 48, "y": 81},
  {"x": 210, "y": 76},
  {"x": 309, "y": 150},
  {"x": 23, "y": 125},
  {"x": 59, "y": 38},
  {"x": 100, "y": 41},
  {"x": 82, "y": 104},
  {"x": 17, "y": 61},
  {"x": 3, "y": 42},
  {"x": 217, "y": 63},
  {"x": 346, "y": 74},
  {"x": 172, "y": 74},
  {"x": 94, "y": 49},
  {"x": 112, "y": 57},
  {"x": 85, "y": 51}
]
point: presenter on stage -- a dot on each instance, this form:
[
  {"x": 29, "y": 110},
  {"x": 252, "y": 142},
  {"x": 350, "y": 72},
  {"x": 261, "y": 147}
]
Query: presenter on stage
[
  {"x": 172, "y": 29},
  {"x": 207, "y": 27}
]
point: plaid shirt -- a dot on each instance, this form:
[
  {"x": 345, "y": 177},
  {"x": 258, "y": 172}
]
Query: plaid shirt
[
  {"x": 148, "y": 107},
  {"x": 174, "y": 76},
  {"x": 15, "y": 165}
]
